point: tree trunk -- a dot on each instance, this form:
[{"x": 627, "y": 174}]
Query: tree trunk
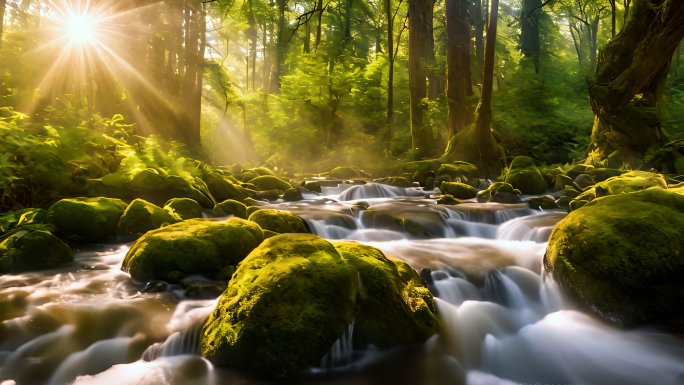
[
  {"x": 576, "y": 43},
  {"x": 458, "y": 46},
  {"x": 484, "y": 120},
  {"x": 280, "y": 48},
  {"x": 479, "y": 34},
  {"x": 347, "y": 20},
  {"x": 253, "y": 36},
  {"x": 2, "y": 19},
  {"x": 593, "y": 44},
  {"x": 318, "y": 26},
  {"x": 529, "y": 33},
  {"x": 307, "y": 38},
  {"x": 266, "y": 69},
  {"x": 612, "y": 19},
  {"x": 390, "y": 52},
  {"x": 628, "y": 85},
  {"x": 420, "y": 32}
]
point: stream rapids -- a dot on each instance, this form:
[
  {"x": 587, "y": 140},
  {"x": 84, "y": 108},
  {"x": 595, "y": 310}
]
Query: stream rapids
[{"x": 503, "y": 320}]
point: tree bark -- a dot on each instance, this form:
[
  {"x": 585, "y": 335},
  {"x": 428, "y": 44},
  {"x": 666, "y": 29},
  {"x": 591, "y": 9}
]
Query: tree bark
[
  {"x": 390, "y": 52},
  {"x": 612, "y": 19},
  {"x": 529, "y": 32},
  {"x": 307, "y": 38},
  {"x": 253, "y": 34},
  {"x": 484, "y": 120},
  {"x": 347, "y": 20},
  {"x": 420, "y": 32},
  {"x": 458, "y": 46},
  {"x": 2, "y": 19},
  {"x": 318, "y": 26},
  {"x": 280, "y": 49},
  {"x": 630, "y": 78},
  {"x": 479, "y": 34},
  {"x": 266, "y": 69}
]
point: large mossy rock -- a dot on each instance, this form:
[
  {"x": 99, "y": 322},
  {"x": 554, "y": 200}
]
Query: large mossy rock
[
  {"x": 488, "y": 195},
  {"x": 458, "y": 190},
  {"x": 142, "y": 216},
  {"x": 91, "y": 220},
  {"x": 466, "y": 172},
  {"x": 31, "y": 248},
  {"x": 412, "y": 167},
  {"x": 195, "y": 246},
  {"x": 231, "y": 207},
  {"x": 222, "y": 188},
  {"x": 278, "y": 221},
  {"x": 269, "y": 182},
  {"x": 525, "y": 176},
  {"x": 377, "y": 219},
  {"x": 344, "y": 173},
  {"x": 184, "y": 208},
  {"x": 623, "y": 255},
  {"x": 293, "y": 297},
  {"x": 629, "y": 182}
]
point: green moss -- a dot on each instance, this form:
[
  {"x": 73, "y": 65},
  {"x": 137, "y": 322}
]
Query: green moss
[
  {"x": 292, "y": 195},
  {"x": 446, "y": 199},
  {"x": 421, "y": 165},
  {"x": 184, "y": 208},
  {"x": 344, "y": 173},
  {"x": 543, "y": 203},
  {"x": 394, "y": 307},
  {"x": 377, "y": 219},
  {"x": 194, "y": 246},
  {"x": 142, "y": 216},
  {"x": 87, "y": 219},
  {"x": 312, "y": 186},
  {"x": 247, "y": 175},
  {"x": 263, "y": 171},
  {"x": 458, "y": 190},
  {"x": 221, "y": 189},
  {"x": 268, "y": 182},
  {"x": 525, "y": 176},
  {"x": 629, "y": 182},
  {"x": 398, "y": 182},
  {"x": 278, "y": 221},
  {"x": 463, "y": 170},
  {"x": 578, "y": 170},
  {"x": 22, "y": 217},
  {"x": 623, "y": 255},
  {"x": 300, "y": 287},
  {"x": 486, "y": 195},
  {"x": 288, "y": 302},
  {"x": 251, "y": 210},
  {"x": 26, "y": 249},
  {"x": 231, "y": 207},
  {"x": 430, "y": 183}
]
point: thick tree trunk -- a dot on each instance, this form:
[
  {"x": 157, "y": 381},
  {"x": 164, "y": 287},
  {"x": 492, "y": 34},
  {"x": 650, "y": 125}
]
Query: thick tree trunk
[
  {"x": 484, "y": 120},
  {"x": 2, "y": 20},
  {"x": 420, "y": 32},
  {"x": 266, "y": 65},
  {"x": 319, "y": 6},
  {"x": 253, "y": 34},
  {"x": 612, "y": 19},
  {"x": 307, "y": 38},
  {"x": 628, "y": 85},
  {"x": 280, "y": 49},
  {"x": 458, "y": 46},
  {"x": 390, "y": 52},
  {"x": 529, "y": 33},
  {"x": 479, "y": 34},
  {"x": 347, "y": 20}
]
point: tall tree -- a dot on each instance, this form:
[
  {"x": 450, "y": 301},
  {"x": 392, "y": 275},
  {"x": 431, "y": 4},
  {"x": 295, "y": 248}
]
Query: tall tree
[
  {"x": 280, "y": 48},
  {"x": 420, "y": 43},
  {"x": 530, "y": 45},
  {"x": 458, "y": 57},
  {"x": 629, "y": 82},
  {"x": 2, "y": 19},
  {"x": 319, "y": 25}
]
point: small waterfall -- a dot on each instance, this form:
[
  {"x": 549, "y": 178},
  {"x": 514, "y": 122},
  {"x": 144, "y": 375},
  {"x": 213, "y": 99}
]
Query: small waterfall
[
  {"x": 177, "y": 344},
  {"x": 501, "y": 289},
  {"x": 341, "y": 353},
  {"x": 454, "y": 290},
  {"x": 372, "y": 190},
  {"x": 535, "y": 228}
]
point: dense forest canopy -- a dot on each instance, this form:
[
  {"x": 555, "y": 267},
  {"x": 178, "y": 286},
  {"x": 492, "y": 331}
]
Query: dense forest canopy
[{"x": 307, "y": 85}]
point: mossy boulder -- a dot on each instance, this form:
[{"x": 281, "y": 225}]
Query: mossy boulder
[
  {"x": 458, "y": 190},
  {"x": 184, "y": 208},
  {"x": 91, "y": 220},
  {"x": 222, "y": 189},
  {"x": 293, "y": 297},
  {"x": 377, "y": 219},
  {"x": 466, "y": 172},
  {"x": 263, "y": 171},
  {"x": 542, "y": 203},
  {"x": 344, "y": 173},
  {"x": 629, "y": 182},
  {"x": 623, "y": 255},
  {"x": 578, "y": 170},
  {"x": 397, "y": 181},
  {"x": 231, "y": 207},
  {"x": 142, "y": 216},
  {"x": 32, "y": 248},
  {"x": 421, "y": 165},
  {"x": 446, "y": 199},
  {"x": 195, "y": 246},
  {"x": 278, "y": 221},
  {"x": 312, "y": 186},
  {"x": 485, "y": 196},
  {"x": 269, "y": 182},
  {"x": 292, "y": 195},
  {"x": 525, "y": 176}
]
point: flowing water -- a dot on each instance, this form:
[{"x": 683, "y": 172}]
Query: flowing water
[{"x": 503, "y": 320}]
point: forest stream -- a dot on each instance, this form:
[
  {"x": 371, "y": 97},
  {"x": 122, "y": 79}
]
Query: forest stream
[{"x": 503, "y": 321}]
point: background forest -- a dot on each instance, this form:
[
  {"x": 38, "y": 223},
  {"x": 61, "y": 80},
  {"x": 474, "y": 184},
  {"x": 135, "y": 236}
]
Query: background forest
[{"x": 299, "y": 85}]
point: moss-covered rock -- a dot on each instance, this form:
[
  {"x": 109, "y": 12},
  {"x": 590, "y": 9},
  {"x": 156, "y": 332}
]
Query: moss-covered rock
[
  {"x": 446, "y": 199},
  {"x": 142, "y": 216},
  {"x": 303, "y": 288},
  {"x": 578, "y": 170},
  {"x": 629, "y": 182},
  {"x": 87, "y": 219},
  {"x": 542, "y": 203},
  {"x": 184, "y": 208},
  {"x": 422, "y": 177},
  {"x": 466, "y": 172},
  {"x": 29, "y": 248},
  {"x": 377, "y": 219},
  {"x": 263, "y": 171},
  {"x": 292, "y": 195},
  {"x": 195, "y": 246},
  {"x": 231, "y": 207},
  {"x": 623, "y": 255},
  {"x": 344, "y": 173},
  {"x": 421, "y": 165},
  {"x": 525, "y": 176},
  {"x": 397, "y": 181},
  {"x": 222, "y": 189},
  {"x": 430, "y": 183},
  {"x": 312, "y": 186},
  {"x": 278, "y": 221},
  {"x": 268, "y": 182},
  {"x": 458, "y": 190},
  {"x": 496, "y": 187}
]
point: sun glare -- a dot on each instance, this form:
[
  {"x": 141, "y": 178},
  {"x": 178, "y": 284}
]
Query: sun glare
[{"x": 80, "y": 28}]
